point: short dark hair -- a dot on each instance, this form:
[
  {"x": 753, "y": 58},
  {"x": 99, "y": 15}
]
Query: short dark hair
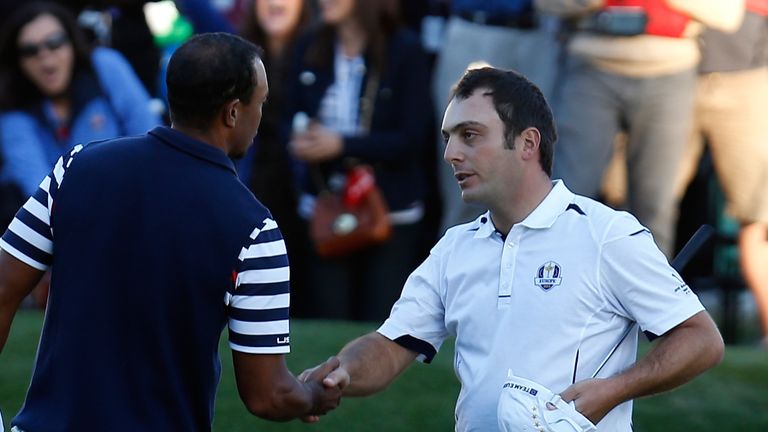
[
  {"x": 16, "y": 90},
  {"x": 206, "y": 72},
  {"x": 519, "y": 103}
]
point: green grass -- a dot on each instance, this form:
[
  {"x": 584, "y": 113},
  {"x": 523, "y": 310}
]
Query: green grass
[{"x": 731, "y": 397}]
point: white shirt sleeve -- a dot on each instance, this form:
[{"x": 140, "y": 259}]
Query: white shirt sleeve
[
  {"x": 417, "y": 321},
  {"x": 641, "y": 285}
]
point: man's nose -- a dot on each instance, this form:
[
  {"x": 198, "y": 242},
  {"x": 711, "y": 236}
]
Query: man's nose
[{"x": 451, "y": 154}]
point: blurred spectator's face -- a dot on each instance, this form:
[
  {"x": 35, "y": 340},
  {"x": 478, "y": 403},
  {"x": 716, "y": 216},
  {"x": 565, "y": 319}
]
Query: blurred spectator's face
[
  {"x": 46, "y": 55},
  {"x": 336, "y": 11},
  {"x": 278, "y": 18}
]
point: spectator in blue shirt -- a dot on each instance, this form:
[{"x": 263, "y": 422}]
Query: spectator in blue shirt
[{"x": 55, "y": 92}]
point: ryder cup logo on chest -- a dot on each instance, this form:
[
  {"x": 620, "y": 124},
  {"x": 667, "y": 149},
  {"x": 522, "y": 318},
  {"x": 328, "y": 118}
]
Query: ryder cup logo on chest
[{"x": 548, "y": 275}]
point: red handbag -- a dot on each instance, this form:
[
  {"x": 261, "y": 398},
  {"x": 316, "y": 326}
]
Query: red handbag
[{"x": 352, "y": 221}]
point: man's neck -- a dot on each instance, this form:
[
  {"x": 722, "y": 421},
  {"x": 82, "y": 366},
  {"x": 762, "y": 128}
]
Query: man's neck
[
  {"x": 208, "y": 136},
  {"x": 520, "y": 203}
]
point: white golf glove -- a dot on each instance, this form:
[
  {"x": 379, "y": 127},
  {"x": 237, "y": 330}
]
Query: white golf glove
[{"x": 523, "y": 407}]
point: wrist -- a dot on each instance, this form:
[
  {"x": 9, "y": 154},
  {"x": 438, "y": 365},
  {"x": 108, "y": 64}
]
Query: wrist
[
  {"x": 312, "y": 391},
  {"x": 619, "y": 389}
]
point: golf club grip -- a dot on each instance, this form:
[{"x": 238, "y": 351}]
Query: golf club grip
[{"x": 692, "y": 247}]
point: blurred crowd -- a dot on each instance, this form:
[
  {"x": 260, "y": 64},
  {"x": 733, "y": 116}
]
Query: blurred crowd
[{"x": 642, "y": 88}]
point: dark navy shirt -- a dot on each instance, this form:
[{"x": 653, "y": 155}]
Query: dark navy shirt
[{"x": 154, "y": 244}]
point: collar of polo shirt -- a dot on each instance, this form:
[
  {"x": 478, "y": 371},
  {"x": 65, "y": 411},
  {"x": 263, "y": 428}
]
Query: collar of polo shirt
[{"x": 543, "y": 216}]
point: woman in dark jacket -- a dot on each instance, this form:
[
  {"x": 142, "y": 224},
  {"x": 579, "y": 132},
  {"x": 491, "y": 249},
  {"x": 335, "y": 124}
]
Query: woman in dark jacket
[{"x": 358, "y": 56}]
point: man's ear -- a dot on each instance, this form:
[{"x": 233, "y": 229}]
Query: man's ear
[
  {"x": 531, "y": 140},
  {"x": 230, "y": 112}
]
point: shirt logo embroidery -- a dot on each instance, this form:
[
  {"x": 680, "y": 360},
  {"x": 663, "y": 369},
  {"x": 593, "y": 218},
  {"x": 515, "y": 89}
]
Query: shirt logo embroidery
[{"x": 548, "y": 275}]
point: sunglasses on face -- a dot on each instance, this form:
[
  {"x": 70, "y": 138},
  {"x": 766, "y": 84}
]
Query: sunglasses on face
[{"x": 52, "y": 43}]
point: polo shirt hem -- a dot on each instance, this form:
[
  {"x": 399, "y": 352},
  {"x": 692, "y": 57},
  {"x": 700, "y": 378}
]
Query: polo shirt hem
[
  {"x": 260, "y": 350},
  {"x": 392, "y": 333},
  {"x": 669, "y": 322}
]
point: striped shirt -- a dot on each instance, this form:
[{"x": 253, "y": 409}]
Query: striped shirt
[
  {"x": 154, "y": 246},
  {"x": 257, "y": 303}
]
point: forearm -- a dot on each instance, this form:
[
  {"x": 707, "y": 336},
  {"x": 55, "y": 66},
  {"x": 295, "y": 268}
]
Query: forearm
[
  {"x": 373, "y": 362},
  {"x": 289, "y": 399},
  {"x": 269, "y": 390},
  {"x": 678, "y": 357},
  {"x": 9, "y": 304},
  {"x": 6, "y": 317},
  {"x": 684, "y": 352},
  {"x": 16, "y": 282}
]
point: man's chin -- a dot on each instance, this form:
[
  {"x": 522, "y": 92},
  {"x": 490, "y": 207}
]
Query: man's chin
[
  {"x": 238, "y": 153},
  {"x": 470, "y": 198}
]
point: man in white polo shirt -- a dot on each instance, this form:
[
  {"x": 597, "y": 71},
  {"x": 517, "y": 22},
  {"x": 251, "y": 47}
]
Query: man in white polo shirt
[{"x": 547, "y": 287}]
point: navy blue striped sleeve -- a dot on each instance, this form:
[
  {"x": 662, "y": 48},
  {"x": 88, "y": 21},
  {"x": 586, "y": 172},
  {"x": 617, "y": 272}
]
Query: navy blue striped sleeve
[
  {"x": 258, "y": 308},
  {"x": 29, "y": 237}
]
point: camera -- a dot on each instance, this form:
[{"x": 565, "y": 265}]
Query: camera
[{"x": 620, "y": 21}]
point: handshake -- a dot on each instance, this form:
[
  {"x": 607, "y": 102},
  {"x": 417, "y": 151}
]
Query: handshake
[{"x": 325, "y": 382}]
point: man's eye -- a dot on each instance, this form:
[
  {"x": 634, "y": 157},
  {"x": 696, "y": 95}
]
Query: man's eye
[{"x": 468, "y": 135}]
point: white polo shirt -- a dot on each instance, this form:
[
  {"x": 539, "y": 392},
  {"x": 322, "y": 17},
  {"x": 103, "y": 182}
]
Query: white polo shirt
[{"x": 549, "y": 302}]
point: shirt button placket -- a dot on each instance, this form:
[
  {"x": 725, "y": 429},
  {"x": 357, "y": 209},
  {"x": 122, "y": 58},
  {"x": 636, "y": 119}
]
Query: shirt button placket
[{"x": 507, "y": 273}]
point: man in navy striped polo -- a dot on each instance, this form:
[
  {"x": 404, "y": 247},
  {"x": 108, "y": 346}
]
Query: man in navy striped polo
[{"x": 154, "y": 245}]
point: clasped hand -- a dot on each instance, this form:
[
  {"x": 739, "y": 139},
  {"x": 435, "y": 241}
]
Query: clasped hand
[
  {"x": 329, "y": 376},
  {"x": 325, "y": 395}
]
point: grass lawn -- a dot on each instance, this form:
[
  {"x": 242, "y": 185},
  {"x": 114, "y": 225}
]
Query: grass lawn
[{"x": 732, "y": 397}]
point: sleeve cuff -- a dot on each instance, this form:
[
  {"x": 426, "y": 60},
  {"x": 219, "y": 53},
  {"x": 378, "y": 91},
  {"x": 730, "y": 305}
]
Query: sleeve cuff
[
  {"x": 426, "y": 351},
  {"x": 260, "y": 350},
  {"x": 21, "y": 257},
  {"x": 661, "y": 327}
]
